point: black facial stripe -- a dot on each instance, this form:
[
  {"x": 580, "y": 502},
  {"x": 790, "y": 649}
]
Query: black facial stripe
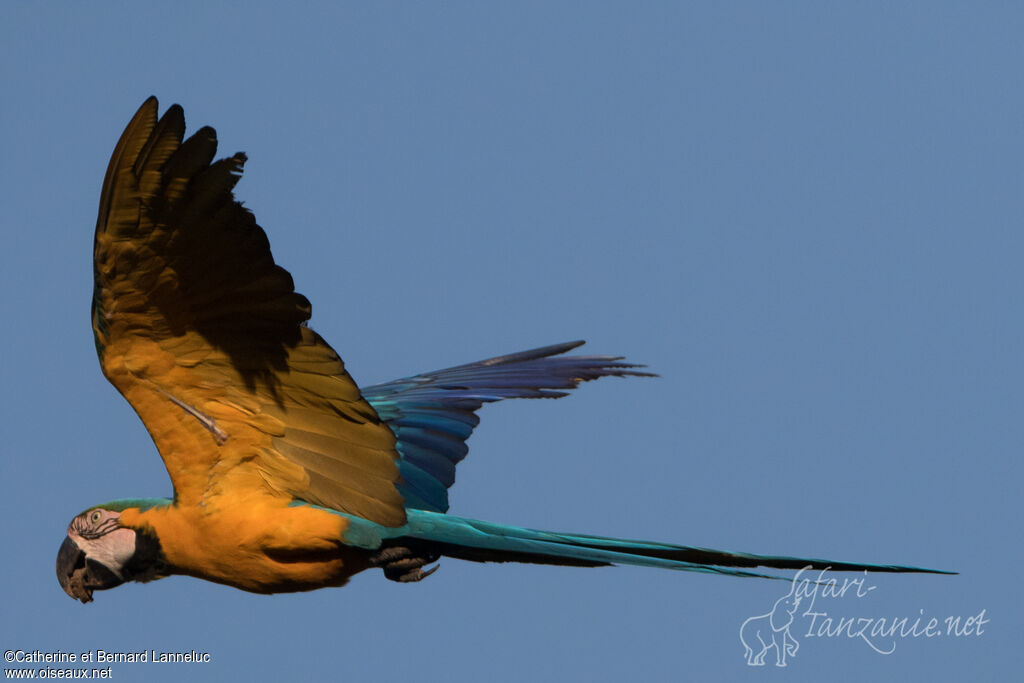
[
  {"x": 82, "y": 526},
  {"x": 107, "y": 526}
]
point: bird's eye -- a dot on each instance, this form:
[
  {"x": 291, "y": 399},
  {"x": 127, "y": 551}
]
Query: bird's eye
[{"x": 95, "y": 516}]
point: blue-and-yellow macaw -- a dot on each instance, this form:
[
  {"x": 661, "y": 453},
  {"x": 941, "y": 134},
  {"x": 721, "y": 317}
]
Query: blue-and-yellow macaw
[{"x": 287, "y": 476}]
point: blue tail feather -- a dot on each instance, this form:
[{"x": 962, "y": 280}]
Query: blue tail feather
[
  {"x": 433, "y": 414},
  {"x": 480, "y": 541}
]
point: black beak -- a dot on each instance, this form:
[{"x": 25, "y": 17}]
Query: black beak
[{"x": 79, "y": 576}]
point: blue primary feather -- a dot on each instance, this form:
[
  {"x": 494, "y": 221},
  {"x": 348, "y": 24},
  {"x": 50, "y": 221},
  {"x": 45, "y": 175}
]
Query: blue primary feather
[{"x": 433, "y": 414}]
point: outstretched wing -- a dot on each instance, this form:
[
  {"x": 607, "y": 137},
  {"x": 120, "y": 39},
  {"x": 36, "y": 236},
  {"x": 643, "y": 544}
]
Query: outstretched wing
[
  {"x": 433, "y": 414},
  {"x": 204, "y": 335}
]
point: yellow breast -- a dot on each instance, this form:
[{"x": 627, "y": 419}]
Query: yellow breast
[{"x": 260, "y": 545}]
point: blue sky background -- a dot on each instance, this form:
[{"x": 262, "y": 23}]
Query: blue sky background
[{"x": 806, "y": 217}]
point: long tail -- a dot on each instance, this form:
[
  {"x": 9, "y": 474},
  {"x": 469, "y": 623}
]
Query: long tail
[{"x": 430, "y": 533}]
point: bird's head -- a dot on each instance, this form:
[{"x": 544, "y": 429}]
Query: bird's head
[{"x": 100, "y": 553}]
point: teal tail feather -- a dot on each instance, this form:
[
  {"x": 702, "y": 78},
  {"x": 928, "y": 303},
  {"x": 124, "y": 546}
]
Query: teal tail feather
[{"x": 468, "y": 539}]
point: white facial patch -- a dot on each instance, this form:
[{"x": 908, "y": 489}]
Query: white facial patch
[{"x": 97, "y": 535}]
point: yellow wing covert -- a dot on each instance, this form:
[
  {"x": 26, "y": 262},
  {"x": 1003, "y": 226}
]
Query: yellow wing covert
[{"x": 204, "y": 335}]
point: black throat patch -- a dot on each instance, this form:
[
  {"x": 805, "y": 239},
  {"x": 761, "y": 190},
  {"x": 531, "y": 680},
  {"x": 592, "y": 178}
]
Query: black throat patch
[{"x": 148, "y": 562}]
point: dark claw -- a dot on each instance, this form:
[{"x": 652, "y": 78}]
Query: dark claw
[
  {"x": 403, "y": 564},
  {"x": 413, "y": 575},
  {"x": 407, "y": 563},
  {"x": 388, "y": 555}
]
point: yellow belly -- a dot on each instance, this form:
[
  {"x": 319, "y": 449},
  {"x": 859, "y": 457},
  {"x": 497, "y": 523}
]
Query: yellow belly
[{"x": 262, "y": 545}]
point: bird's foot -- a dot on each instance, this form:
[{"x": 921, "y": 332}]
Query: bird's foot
[{"x": 403, "y": 564}]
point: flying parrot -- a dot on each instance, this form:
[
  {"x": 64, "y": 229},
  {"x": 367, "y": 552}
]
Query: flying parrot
[{"x": 286, "y": 475}]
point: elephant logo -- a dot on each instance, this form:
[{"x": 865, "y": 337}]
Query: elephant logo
[{"x": 765, "y": 631}]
